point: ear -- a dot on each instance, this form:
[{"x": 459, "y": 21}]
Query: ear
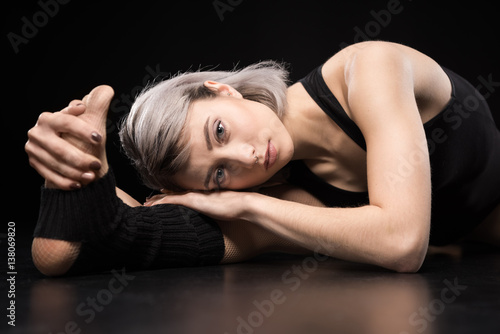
[{"x": 222, "y": 89}]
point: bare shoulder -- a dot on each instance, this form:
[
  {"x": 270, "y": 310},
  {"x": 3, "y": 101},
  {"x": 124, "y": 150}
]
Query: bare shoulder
[
  {"x": 430, "y": 83},
  {"x": 371, "y": 47},
  {"x": 377, "y": 52},
  {"x": 365, "y": 59}
]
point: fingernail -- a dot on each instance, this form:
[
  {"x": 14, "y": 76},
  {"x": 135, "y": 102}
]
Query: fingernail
[
  {"x": 75, "y": 186},
  {"x": 80, "y": 104},
  {"x": 95, "y": 165},
  {"x": 88, "y": 176},
  {"x": 96, "y": 137}
]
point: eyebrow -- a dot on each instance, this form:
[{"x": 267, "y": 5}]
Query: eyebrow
[
  {"x": 207, "y": 135},
  {"x": 209, "y": 147},
  {"x": 207, "y": 178}
]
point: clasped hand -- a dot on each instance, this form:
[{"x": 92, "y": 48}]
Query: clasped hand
[
  {"x": 220, "y": 205},
  {"x": 67, "y": 148}
]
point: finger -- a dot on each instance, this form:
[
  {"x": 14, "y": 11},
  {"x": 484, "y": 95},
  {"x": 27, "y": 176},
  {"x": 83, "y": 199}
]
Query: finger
[
  {"x": 75, "y": 108},
  {"x": 158, "y": 201},
  {"x": 153, "y": 199},
  {"x": 65, "y": 154},
  {"x": 174, "y": 192},
  {"x": 76, "y": 103},
  {"x": 156, "y": 197},
  {"x": 63, "y": 165},
  {"x": 54, "y": 179},
  {"x": 51, "y": 149},
  {"x": 182, "y": 199},
  {"x": 65, "y": 123}
]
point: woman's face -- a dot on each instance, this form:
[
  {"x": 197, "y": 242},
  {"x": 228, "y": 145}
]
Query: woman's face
[{"x": 234, "y": 144}]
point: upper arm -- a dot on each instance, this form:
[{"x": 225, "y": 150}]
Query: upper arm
[{"x": 381, "y": 100}]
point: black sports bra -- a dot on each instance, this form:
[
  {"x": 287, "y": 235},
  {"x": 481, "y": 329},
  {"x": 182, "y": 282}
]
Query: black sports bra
[
  {"x": 301, "y": 175},
  {"x": 465, "y": 159}
]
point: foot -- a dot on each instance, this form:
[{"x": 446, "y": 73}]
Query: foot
[{"x": 97, "y": 104}]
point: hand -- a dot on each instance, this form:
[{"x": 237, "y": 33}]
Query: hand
[
  {"x": 67, "y": 148},
  {"x": 220, "y": 205}
]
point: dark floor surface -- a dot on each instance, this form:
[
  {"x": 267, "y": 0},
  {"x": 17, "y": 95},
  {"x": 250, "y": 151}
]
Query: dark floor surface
[{"x": 453, "y": 293}]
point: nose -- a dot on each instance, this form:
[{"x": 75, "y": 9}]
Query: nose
[{"x": 242, "y": 156}]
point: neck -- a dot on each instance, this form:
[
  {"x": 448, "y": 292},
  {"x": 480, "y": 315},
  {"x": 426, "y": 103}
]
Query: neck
[{"x": 305, "y": 125}]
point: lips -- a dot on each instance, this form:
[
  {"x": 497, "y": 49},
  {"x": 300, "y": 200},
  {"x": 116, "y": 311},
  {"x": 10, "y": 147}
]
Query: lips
[{"x": 270, "y": 155}]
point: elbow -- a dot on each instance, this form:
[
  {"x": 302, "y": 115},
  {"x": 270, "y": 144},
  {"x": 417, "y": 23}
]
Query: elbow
[
  {"x": 409, "y": 266},
  {"x": 409, "y": 255}
]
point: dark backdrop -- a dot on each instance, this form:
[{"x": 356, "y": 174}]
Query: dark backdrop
[{"x": 58, "y": 51}]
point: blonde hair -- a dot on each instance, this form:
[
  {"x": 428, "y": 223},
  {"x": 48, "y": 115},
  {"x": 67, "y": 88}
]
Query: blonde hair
[{"x": 151, "y": 134}]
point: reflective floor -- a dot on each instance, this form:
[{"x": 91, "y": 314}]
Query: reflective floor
[{"x": 455, "y": 292}]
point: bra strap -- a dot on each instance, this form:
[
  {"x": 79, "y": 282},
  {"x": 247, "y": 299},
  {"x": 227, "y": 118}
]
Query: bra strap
[{"x": 316, "y": 87}]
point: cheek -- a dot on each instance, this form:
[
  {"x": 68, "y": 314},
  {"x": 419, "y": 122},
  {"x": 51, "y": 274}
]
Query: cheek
[
  {"x": 242, "y": 178},
  {"x": 190, "y": 179},
  {"x": 265, "y": 127}
]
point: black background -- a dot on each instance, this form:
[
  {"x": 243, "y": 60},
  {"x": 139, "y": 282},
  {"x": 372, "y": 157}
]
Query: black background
[{"x": 127, "y": 44}]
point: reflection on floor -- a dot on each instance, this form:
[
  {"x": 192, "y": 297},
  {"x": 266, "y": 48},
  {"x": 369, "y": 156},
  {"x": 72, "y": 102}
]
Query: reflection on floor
[{"x": 456, "y": 291}]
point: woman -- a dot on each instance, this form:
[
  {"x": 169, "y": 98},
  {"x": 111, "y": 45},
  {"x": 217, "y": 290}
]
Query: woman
[{"x": 365, "y": 134}]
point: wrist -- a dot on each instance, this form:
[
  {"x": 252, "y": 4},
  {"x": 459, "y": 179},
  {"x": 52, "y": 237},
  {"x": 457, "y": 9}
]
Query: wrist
[{"x": 252, "y": 205}]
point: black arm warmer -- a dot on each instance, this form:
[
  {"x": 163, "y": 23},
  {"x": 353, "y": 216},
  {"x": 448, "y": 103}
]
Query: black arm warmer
[{"x": 115, "y": 235}]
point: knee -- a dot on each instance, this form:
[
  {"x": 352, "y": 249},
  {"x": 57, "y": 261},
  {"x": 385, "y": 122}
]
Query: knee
[{"x": 54, "y": 257}]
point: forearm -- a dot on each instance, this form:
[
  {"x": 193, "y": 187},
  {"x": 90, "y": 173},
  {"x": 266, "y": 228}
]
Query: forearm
[{"x": 363, "y": 234}]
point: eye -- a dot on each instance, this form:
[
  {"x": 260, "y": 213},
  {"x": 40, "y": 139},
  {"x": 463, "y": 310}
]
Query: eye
[
  {"x": 220, "y": 131},
  {"x": 219, "y": 176}
]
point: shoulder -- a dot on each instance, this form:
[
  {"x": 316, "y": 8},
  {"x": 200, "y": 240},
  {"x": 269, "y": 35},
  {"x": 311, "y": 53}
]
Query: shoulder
[
  {"x": 368, "y": 56},
  {"x": 377, "y": 82},
  {"x": 381, "y": 58},
  {"x": 367, "y": 67},
  {"x": 388, "y": 70},
  {"x": 374, "y": 50}
]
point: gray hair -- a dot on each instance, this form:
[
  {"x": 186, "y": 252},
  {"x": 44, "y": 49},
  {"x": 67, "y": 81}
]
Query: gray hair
[{"x": 152, "y": 133}]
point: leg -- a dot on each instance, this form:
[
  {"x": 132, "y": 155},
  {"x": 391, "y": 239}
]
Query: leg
[
  {"x": 55, "y": 257},
  {"x": 243, "y": 241}
]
